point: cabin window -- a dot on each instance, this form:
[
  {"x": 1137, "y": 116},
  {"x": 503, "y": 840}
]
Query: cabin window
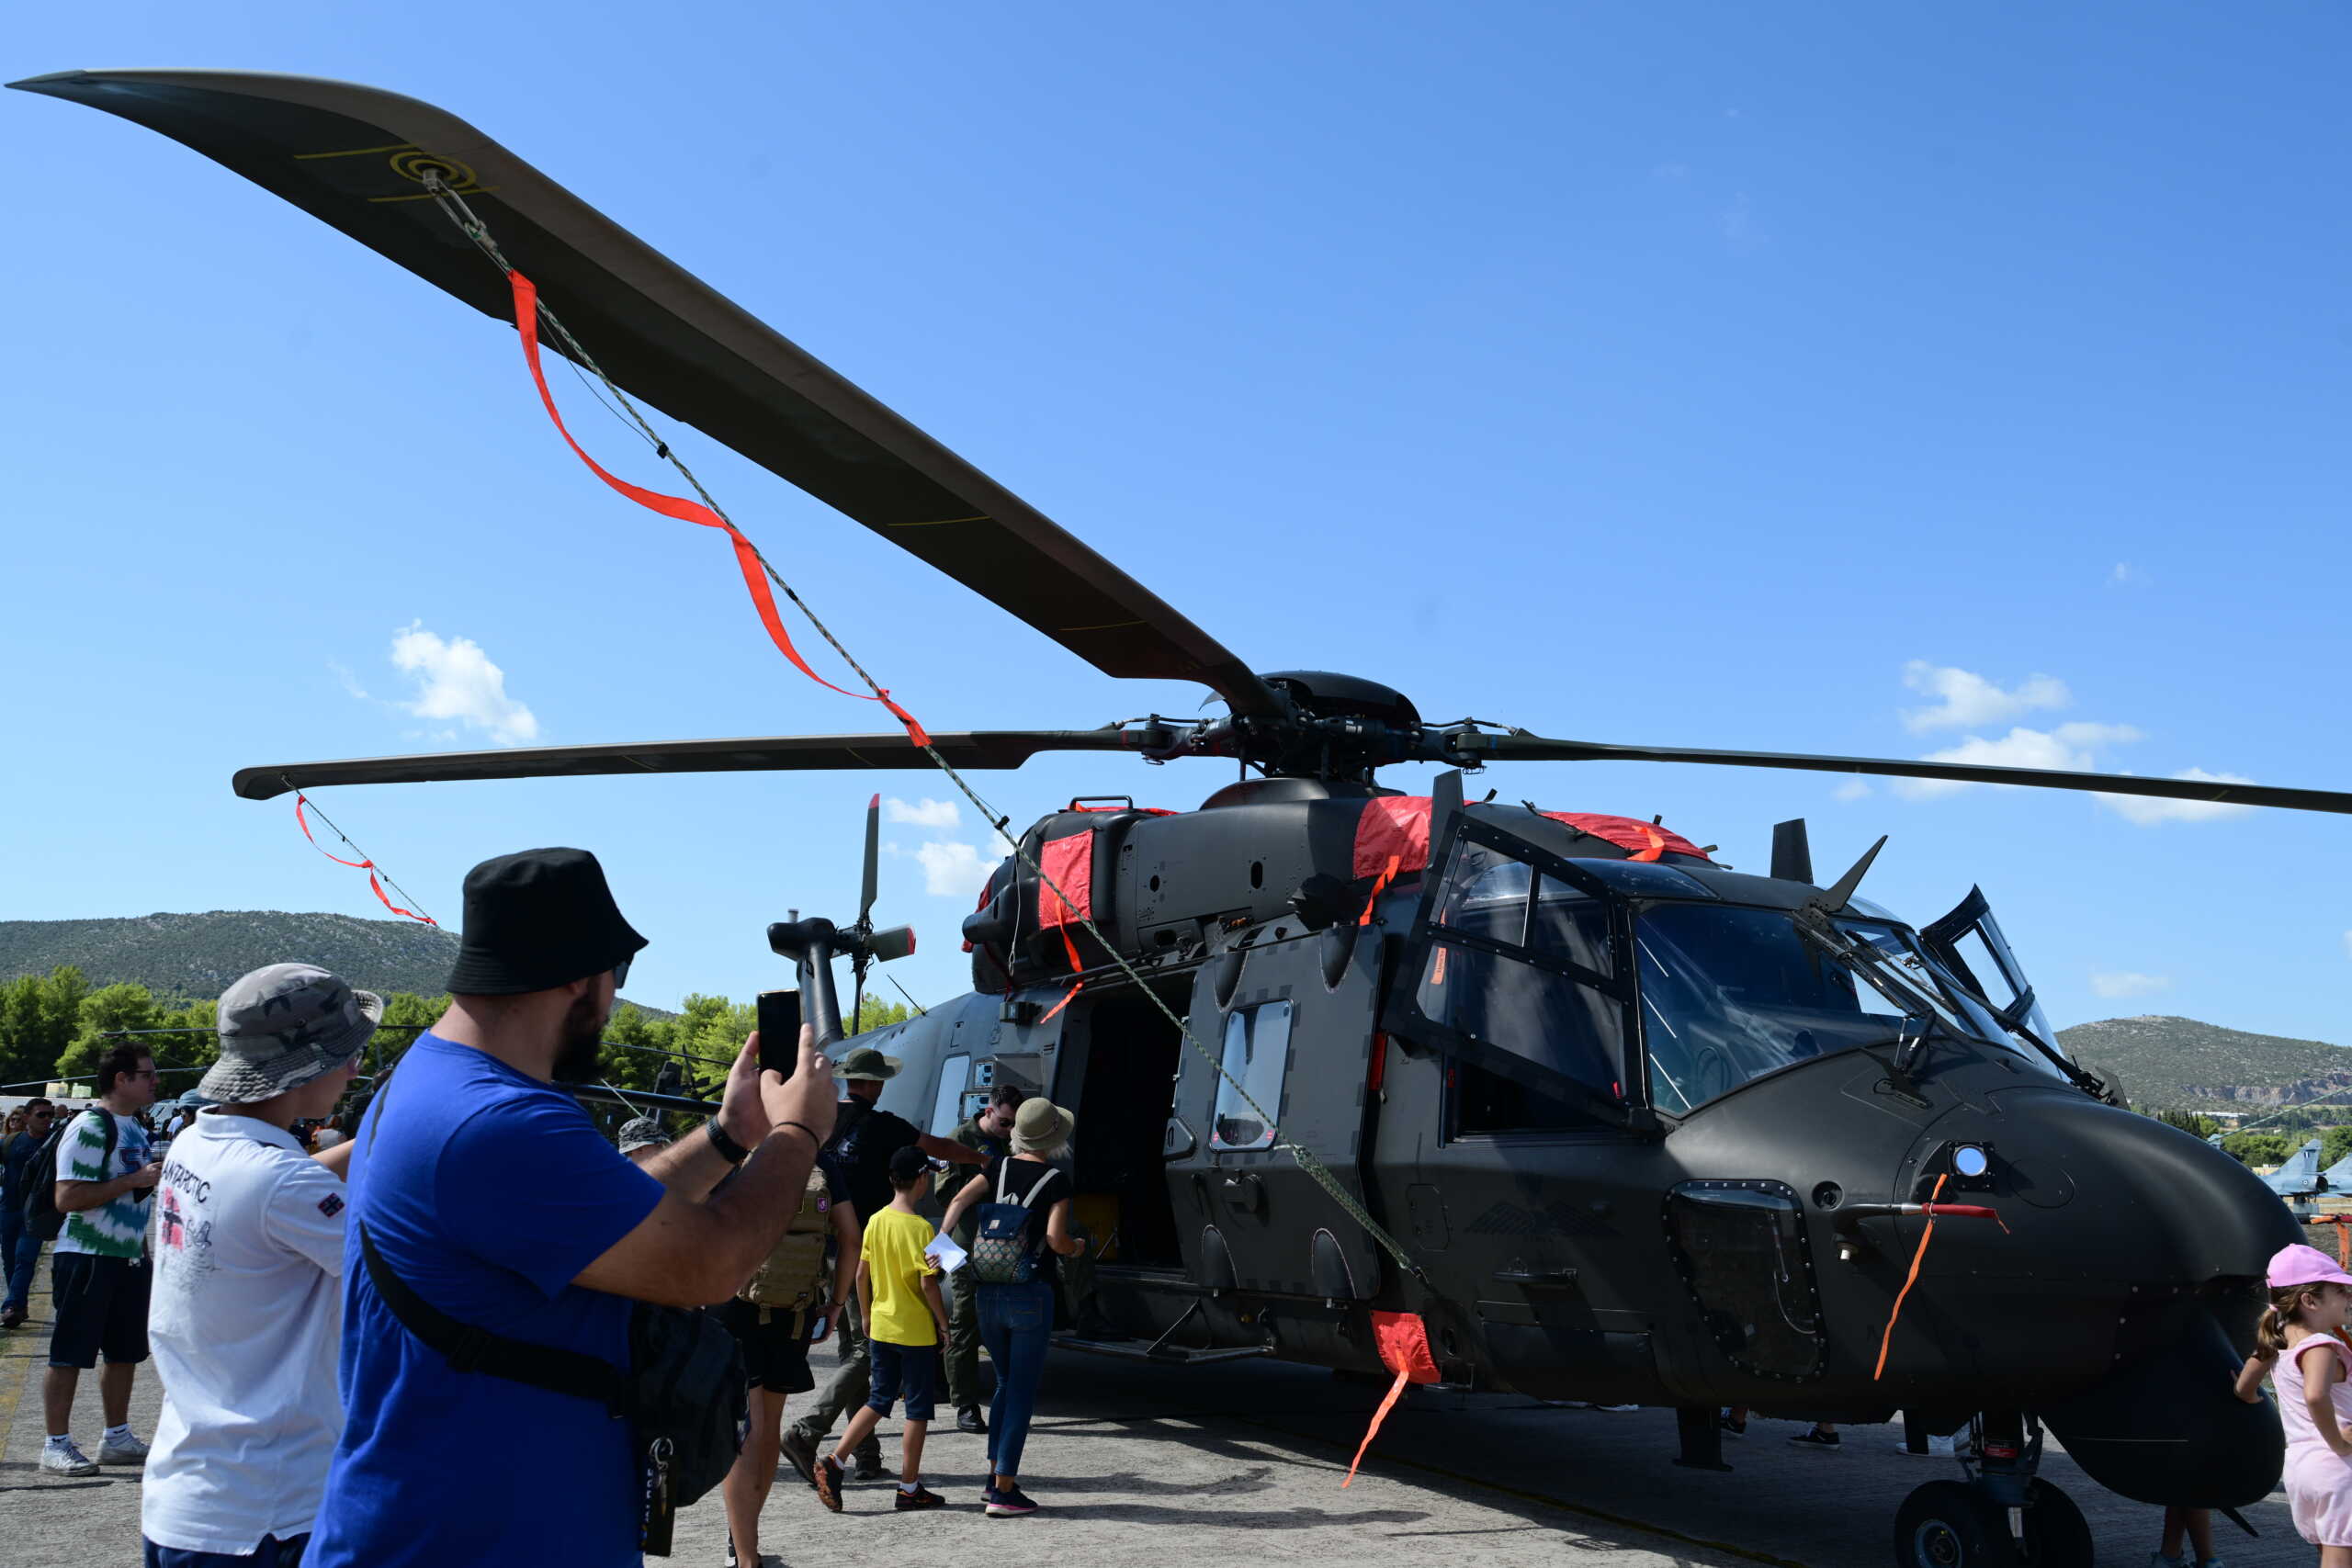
[
  {"x": 1257, "y": 1050},
  {"x": 947, "y": 1100}
]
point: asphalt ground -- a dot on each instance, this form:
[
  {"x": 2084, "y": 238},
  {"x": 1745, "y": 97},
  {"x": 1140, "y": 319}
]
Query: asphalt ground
[{"x": 1239, "y": 1463}]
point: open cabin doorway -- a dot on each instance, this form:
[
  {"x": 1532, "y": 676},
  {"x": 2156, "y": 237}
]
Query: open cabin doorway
[{"x": 1120, "y": 1056}]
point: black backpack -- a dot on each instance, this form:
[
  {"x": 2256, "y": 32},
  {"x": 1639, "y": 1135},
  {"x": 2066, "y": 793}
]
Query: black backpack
[{"x": 43, "y": 1218}]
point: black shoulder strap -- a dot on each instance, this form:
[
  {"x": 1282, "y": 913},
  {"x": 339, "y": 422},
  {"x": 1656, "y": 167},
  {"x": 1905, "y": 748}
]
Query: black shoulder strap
[
  {"x": 472, "y": 1349},
  {"x": 469, "y": 1348}
]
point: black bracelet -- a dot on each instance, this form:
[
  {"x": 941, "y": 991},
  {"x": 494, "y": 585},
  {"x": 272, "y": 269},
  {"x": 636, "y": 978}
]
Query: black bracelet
[
  {"x": 728, "y": 1149},
  {"x": 804, "y": 1127}
]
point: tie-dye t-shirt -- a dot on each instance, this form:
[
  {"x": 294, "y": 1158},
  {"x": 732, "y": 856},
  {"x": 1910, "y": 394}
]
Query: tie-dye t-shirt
[{"x": 118, "y": 1229}]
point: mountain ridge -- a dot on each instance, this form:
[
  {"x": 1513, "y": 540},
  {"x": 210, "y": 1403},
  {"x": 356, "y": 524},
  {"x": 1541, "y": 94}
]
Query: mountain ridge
[{"x": 2169, "y": 1063}]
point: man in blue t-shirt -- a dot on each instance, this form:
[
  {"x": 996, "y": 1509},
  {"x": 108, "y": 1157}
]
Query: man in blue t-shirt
[{"x": 487, "y": 1190}]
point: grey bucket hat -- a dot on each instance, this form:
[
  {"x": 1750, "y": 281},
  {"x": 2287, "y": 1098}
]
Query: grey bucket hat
[
  {"x": 866, "y": 1062},
  {"x": 283, "y": 1026}
]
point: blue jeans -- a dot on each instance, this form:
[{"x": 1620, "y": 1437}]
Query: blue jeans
[
  {"x": 19, "y": 1251},
  {"x": 1014, "y": 1321},
  {"x": 271, "y": 1553}
]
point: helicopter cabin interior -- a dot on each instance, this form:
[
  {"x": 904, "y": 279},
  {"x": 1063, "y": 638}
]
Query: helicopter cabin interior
[{"x": 1120, "y": 1056}]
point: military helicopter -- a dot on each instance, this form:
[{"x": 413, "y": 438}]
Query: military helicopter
[{"x": 1641, "y": 1127}]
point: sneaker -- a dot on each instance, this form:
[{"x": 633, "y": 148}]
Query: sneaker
[
  {"x": 64, "y": 1458},
  {"x": 799, "y": 1452},
  {"x": 1815, "y": 1437},
  {"x": 968, "y": 1419},
  {"x": 125, "y": 1450},
  {"x": 2158, "y": 1560},
  {"x": 1732, "y": 1427},
  {"x": 920, "y": 1498},
  {"x": 1941, "y": 1448},
  {"x": 1616, "y": 1409},
  {"x": 11, "y": 1317},
  {"x": 870, "y": 1468},
  {"x": 827, "y": 1479},
  {"x": 1010, "y": 1505}
]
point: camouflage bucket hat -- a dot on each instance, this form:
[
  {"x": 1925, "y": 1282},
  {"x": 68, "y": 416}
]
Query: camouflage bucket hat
[
  {"x": 642, "y": 1132},
  {"x": 283, "y": 1026}
]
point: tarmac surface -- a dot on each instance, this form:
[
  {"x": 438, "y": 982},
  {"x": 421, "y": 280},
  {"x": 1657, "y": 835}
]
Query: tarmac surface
[{"x": 1238, "y": 1463}]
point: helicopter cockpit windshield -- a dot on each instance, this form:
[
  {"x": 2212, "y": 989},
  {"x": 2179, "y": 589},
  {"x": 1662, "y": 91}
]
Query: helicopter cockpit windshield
[{"x": 1729, "y": 993}]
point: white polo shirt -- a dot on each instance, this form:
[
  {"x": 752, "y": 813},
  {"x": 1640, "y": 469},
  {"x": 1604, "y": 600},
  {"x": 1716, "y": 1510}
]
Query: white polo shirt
[{"x": 244, "y": 1318}]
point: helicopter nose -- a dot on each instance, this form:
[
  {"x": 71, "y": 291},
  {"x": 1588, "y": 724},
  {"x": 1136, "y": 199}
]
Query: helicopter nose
[
  {"x": 2093, "y": 1194},
  {"x": 2119, "y": 1289}
]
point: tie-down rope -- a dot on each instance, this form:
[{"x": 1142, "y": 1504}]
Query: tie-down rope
[{"x": 455, "y": 208}]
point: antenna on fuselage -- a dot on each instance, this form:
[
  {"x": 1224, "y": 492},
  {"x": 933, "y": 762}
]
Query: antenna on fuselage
[{"x": 1842, "y": 893}]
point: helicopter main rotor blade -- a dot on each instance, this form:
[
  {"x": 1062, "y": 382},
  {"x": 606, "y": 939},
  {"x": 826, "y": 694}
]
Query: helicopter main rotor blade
[
  {"x": 1538, "y": 749},
  {"x": 355, "y": 157},
  {"x": 781, "y": 753}
]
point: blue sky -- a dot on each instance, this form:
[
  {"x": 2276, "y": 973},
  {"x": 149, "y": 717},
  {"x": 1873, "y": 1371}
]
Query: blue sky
[{"x": 1703, "y": 375}]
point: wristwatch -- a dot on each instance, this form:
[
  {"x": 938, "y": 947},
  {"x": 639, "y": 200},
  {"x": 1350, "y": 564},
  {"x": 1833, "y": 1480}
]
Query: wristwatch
[{"x": 728, "y": 1149}]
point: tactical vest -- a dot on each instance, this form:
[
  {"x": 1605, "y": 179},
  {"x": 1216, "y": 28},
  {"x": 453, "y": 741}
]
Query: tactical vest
[{"x": 792, "y": 1278}]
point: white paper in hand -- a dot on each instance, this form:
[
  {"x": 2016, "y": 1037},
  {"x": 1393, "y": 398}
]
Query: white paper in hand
[{"x": 944, "y": 1252}]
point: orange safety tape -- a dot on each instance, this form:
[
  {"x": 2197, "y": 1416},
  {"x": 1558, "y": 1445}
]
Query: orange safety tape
[
  {"x": 366, "y": 865},
  {"x": 2343, "y": 1246},
  {"x": 1910, "y": 1280},
  {"x": 747, "y": 557},
  {"x": 1403, "y": 1341},
  {"x": 1387, "y": 875}
]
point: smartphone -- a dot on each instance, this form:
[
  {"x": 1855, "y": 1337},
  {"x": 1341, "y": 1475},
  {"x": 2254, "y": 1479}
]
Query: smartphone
[{"x": 779, "y": 1026}]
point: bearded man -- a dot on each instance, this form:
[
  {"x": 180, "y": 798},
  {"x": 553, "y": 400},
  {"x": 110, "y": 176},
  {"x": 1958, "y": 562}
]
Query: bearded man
[{"x": 487, "y": 1191}]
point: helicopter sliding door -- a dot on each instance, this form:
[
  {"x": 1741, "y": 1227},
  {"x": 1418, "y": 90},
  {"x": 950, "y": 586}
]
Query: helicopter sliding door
[{"x": 1290, "y": 1021}]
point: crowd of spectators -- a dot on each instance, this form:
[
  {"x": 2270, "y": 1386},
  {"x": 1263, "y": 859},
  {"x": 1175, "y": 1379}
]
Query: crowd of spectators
[{"x": 375, "y": 1340}]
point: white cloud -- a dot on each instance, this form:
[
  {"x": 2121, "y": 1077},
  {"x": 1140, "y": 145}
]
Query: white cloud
[
  {"x": 455, "y": 679},
  {"x": 1964, "y": 698},
  {"x": 2150, "y": 812},
  {"x": 924, "y": 813},
  {"x": 951, "y": 869},
  {"x": 2125, "y": 572},
  {"x": 2065, "y": 749},
  {"x": 2127, "y": 983},
  {"x": 1852, "y": 789},
  {"x": 351, "y": 685}
]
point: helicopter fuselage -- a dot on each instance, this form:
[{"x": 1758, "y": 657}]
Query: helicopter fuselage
[{"x": 1732, "y": 1248}]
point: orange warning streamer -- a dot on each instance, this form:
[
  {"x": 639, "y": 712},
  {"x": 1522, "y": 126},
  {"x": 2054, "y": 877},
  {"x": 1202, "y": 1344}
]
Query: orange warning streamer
[
  {"x": 1387, "y": 875},
  {"x": 1911, "y": 1279},
  {"x": 527, "y": 322},
  {"x": 366, "y": 865},
  {"x": 1405, "y": 1345}
]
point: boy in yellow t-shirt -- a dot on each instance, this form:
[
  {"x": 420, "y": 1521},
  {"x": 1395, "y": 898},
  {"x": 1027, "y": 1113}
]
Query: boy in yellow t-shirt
[{"x": 905, "y": 1323}]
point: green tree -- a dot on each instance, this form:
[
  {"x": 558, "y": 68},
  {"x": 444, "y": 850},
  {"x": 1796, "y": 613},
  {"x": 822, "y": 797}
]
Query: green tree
[
  {"x": 125, "y": 1005},
  {"x": 2259, "y": 1148},
  {"x": 2192, "y": 1123},
  {"x": 875, "y": 1013},
  {"x": 2334, "y": 1144},
  {"x": 25, "y": 1057}
]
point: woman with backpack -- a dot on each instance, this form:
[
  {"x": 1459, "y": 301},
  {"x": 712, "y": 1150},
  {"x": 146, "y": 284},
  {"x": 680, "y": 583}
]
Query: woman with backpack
[{"x": 1023, "y": 1203}]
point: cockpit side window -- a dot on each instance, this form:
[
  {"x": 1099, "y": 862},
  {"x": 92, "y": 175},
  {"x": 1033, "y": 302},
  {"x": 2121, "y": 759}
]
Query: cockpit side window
[
  {"x": 1257, "y": 1050},
  {"x": 1514, "y": 973}
]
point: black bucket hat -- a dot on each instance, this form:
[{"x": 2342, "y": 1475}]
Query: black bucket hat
[{"x": 538, "y": 919}]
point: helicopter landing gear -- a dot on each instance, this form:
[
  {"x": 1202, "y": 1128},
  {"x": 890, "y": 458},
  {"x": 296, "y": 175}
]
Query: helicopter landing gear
[
  {"x": 2002, "y": 1517},
  {"x": 1703, "y": 1438}
]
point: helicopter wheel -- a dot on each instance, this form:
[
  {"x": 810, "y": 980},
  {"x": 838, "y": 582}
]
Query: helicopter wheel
[
  {"x": 2056, "y": 1534},
  {"x": 1949, "y": 1524}
]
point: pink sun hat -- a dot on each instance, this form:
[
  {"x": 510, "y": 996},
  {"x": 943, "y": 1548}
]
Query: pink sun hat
[{"x": 2300, "y": 1265}]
